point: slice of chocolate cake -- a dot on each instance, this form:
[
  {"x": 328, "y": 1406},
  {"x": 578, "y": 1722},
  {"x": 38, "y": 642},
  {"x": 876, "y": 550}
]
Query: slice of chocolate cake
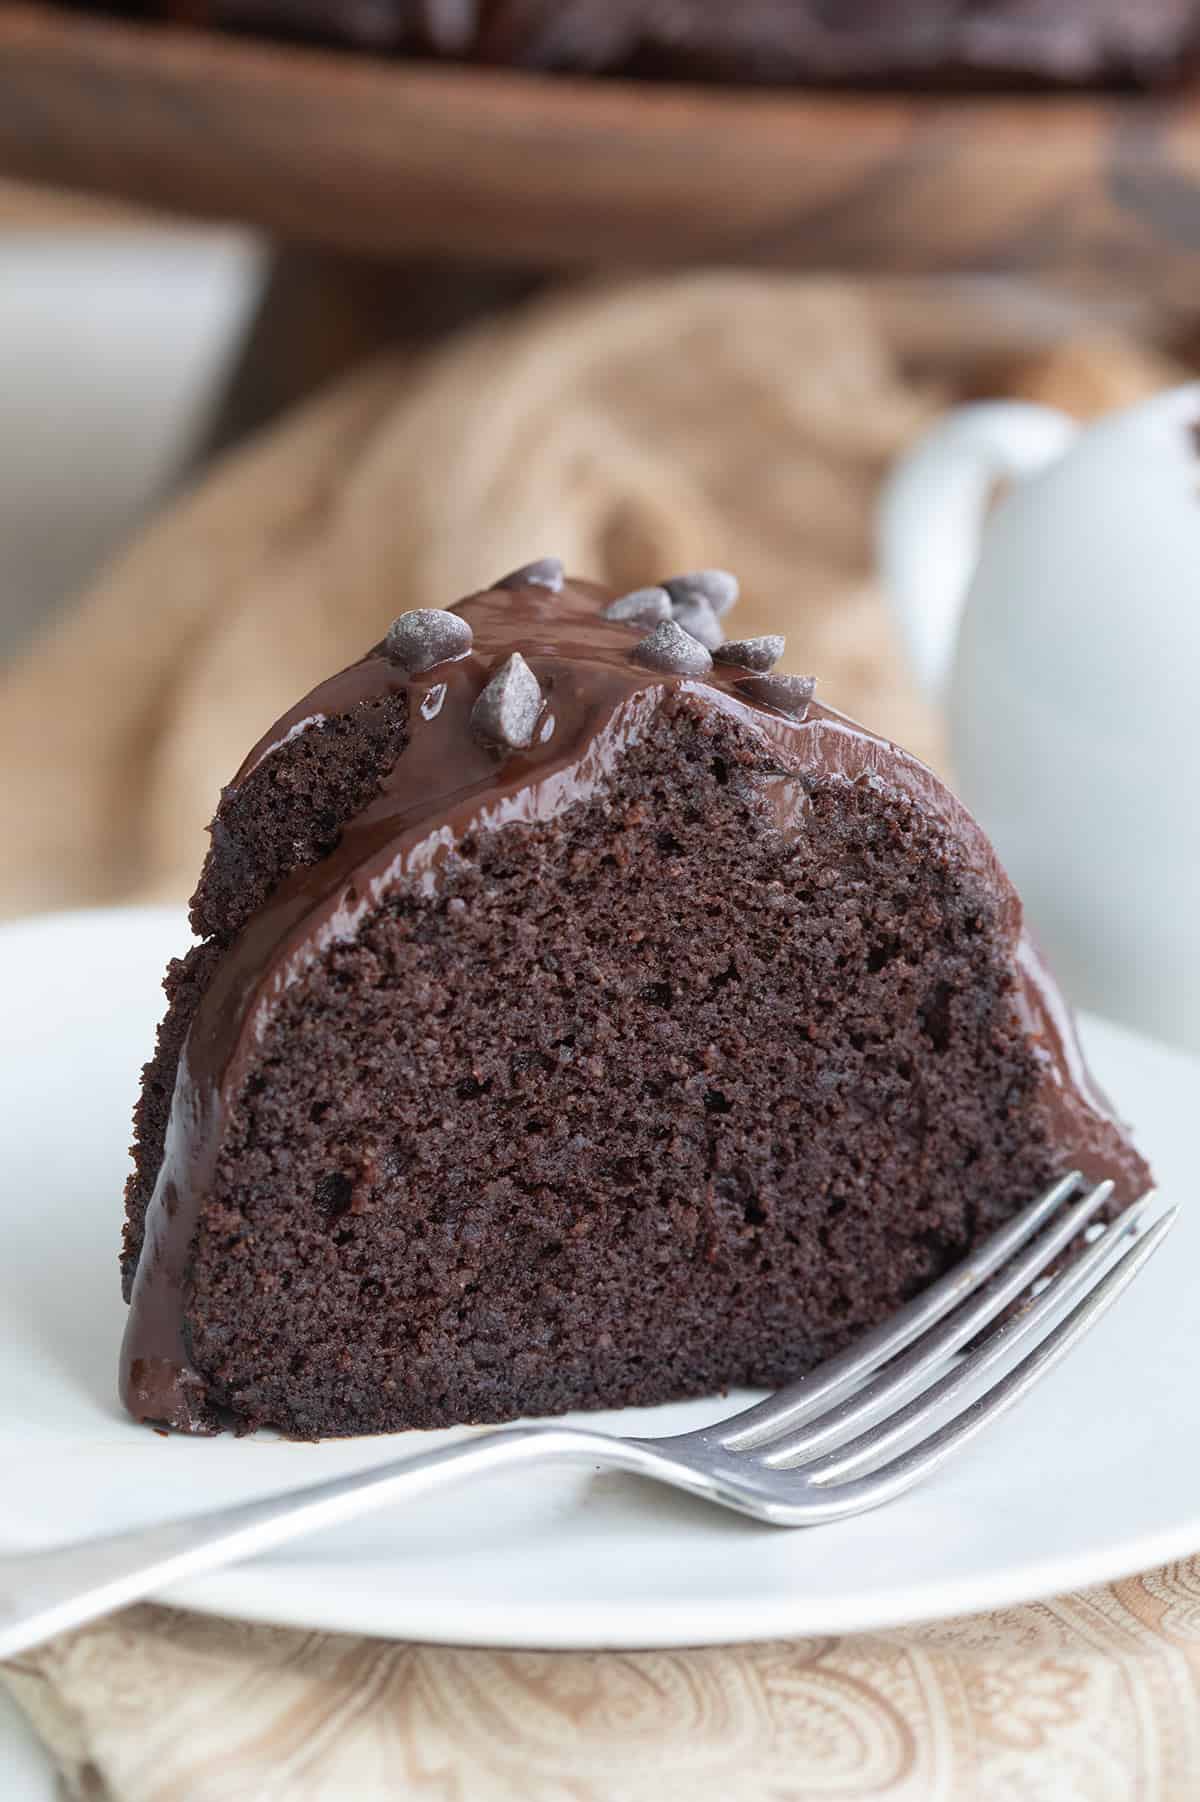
[{"x": 583, "y": 1014}]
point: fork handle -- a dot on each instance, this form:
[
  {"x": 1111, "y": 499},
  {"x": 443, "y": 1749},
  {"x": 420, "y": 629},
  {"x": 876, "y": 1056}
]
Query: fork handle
[{"x": 46, "y": 1592}]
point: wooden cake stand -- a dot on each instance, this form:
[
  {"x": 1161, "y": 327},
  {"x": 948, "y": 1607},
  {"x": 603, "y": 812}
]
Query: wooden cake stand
[{"x": 374, "y": 176}]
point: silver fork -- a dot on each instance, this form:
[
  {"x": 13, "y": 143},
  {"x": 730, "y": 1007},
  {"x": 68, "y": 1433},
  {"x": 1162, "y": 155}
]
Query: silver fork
[{"x": 856, "y": 1432}]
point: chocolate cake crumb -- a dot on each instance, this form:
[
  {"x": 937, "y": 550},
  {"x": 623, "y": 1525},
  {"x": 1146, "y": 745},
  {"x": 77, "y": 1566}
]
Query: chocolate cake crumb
[
  {"x": 511, "y": 1251},
  {"x": 289, "y": 811},
  {"x": 286, "y": 815}
]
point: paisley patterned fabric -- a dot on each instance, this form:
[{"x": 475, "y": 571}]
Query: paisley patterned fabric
[{"x": 1094, "y": 1697}]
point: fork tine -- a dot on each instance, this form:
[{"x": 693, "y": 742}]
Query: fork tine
[
  {"x": 871, "y": 1446},
  {"x": 823, "y": 1386},
  {"x": 903, "y": 1472},
  {"x": 898, "y": 1378}
]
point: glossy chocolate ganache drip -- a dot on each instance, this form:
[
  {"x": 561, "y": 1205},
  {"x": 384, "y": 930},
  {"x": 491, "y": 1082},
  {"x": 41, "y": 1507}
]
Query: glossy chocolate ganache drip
[{"x": 521, "y": 702}]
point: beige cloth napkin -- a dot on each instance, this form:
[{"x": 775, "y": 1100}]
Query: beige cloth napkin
[
  {"x": 728, "y": 418},
  {"x": 742, "y": 420}
]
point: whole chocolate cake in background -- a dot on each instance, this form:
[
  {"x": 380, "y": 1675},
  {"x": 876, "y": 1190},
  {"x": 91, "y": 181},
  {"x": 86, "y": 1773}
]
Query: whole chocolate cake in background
[
  {"x": 583, "y": 1015},
  {"x": 859, "y": 41}
]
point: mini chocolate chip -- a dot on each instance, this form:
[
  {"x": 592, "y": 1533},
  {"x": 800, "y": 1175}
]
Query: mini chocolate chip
[
  {"x": 547, "y": 572},
  {"x": 758, "y": 654},
  {"x": 671, "y": 649},
  {"x": 507, "y": 709},
  {"x": 716, "y": 586},
  {"x": 790, "y": 694},
  {"x": 425, "y": 637},
  {"x": 698, "y": 618},
  {"x": 644, "y": 607}
]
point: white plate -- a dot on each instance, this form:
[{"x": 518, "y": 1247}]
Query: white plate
[{"x": 1096, "y": 1475}]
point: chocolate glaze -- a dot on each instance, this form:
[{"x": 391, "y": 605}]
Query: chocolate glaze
[{"x": 447, "y": 786}]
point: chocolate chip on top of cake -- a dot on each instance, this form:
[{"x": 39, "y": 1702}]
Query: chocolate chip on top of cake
[
  {"x": 508, "y": 707},
  {"x": 643, "y": 607},
  {"x": 672, "y": 649},
  {"x": 426, "y": 637},
  {"x": 758, "y": 654},
  {"x": 547, "y": 572}
]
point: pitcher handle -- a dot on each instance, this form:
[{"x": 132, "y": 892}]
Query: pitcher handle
[{"x": 932, "y": 510}]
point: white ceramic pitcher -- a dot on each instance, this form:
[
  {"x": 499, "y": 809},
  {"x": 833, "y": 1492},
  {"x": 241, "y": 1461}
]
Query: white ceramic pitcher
[{"x": 1062, "y": 631}]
